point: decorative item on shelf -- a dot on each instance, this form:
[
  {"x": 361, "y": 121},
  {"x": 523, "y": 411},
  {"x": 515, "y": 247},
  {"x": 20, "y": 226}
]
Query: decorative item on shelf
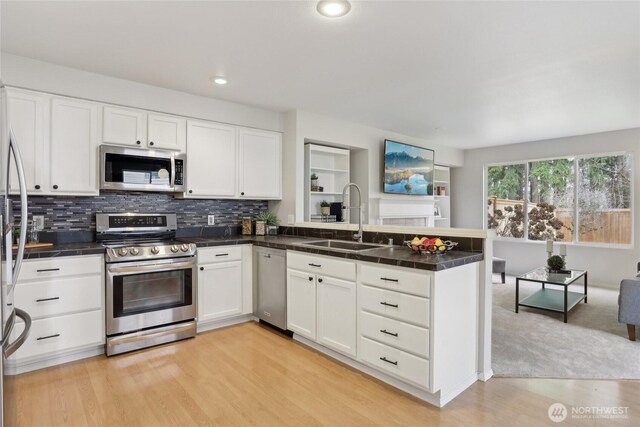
[
  {"x": 556, "y": 264},
  {"x": 264, "y": 219},
  {"x": 247, "y": 226},
  {"x": 549, "y": 248},
  {"x": 563, "y": 253},
  {"x": 428, "y": 245},
  {"x": 324, "y": 207},
  {"x": 321, "y": 189},
  {"x": 314, "y": 182}
]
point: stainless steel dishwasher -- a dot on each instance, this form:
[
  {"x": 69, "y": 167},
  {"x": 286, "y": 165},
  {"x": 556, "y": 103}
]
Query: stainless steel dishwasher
[{"x": 270, "y": 275}]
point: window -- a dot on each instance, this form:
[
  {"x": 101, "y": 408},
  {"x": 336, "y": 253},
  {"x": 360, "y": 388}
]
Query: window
[{"x": 581, "y": 199}]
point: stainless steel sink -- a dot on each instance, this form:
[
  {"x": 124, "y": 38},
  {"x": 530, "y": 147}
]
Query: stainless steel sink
[{"x": 342, "y": 245}]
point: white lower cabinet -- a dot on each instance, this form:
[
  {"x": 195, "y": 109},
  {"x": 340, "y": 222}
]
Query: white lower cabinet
[
  {"x": 65, "y": 299},
  {"x": 320, "y": 307},
  {"x": 224, "y": 283}
]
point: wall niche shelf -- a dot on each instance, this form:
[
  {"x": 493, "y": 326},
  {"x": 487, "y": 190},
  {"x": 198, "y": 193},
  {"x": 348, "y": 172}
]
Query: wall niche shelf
[{"x": 332, "y": 167}]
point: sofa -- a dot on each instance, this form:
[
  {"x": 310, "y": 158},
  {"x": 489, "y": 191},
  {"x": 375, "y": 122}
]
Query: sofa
[{"x": 629, "y": 304}]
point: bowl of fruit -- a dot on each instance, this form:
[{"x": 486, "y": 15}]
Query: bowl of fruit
[{"x": 428, "y": 245}]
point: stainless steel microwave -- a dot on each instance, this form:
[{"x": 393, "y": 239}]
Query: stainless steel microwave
[{"x": 135, "y": 169}]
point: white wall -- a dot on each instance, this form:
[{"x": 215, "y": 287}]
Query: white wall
[
  {"x": 43, "y": 76},
  {"x": 606, "y": 266},
  {"x": 328, "y": 130}
]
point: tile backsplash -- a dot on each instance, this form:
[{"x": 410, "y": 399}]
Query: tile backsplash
[{"x": 70, "y": 213}]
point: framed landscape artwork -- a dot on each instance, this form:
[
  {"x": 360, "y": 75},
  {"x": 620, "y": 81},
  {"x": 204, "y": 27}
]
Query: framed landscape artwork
[{"x": 408, "y": 169}]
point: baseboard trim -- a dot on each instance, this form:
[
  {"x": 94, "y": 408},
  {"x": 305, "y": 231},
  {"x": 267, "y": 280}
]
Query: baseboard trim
[
  {"x": 486, "y": 375},
  {"x": 216, "y": 324},
  {"x": 456, "y": 390},
  {"x": 431, "y": 398},
  {"x": 39, "y": 362}
]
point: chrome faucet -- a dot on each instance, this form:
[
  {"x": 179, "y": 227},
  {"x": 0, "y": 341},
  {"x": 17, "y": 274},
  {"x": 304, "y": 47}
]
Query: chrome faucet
[{"x": 358, "y": 235}]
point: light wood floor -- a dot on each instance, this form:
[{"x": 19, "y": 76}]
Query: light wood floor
[{"x": 248, "y": 375}]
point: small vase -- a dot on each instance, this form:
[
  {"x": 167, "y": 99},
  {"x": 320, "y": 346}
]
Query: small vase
[
  {"x": 324, "y": 210},
  {"x": 261, "y": 228}
]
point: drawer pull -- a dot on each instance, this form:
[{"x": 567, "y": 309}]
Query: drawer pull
[
  {"x": 384, "y": 331},
  {"x": 315, "y": 265},
  {"x": 389, "y": 305},
  {"x": 222, "y": 254},
  {"x": 47, "y": 337},
  {"x": 47, "y": 269},
  {"x": 386, "y": 279},
  {"x": 47, "y": 299},
  {"x": 384, "y": 359},
  {"x": 267, "y": 255}
]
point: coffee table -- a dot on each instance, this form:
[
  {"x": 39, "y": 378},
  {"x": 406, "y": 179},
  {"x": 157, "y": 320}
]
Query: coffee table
[{"x": 560, "y": 301}]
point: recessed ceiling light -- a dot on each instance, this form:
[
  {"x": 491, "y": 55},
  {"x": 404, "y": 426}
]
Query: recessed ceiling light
[
  {"x": 219, "y": 80},
  {"x": 333, "y": 8}
]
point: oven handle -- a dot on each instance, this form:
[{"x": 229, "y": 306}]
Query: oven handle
[{"x": 155, "y": 266}]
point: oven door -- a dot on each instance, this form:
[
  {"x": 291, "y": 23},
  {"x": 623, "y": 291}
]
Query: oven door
[{"x": 150, "y": 293}]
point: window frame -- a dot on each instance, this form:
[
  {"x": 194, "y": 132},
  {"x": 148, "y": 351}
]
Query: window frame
[{"x": 576, "y": 158}]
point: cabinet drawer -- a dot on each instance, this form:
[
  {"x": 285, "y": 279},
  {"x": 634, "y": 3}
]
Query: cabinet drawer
[
  {"x": 396, "y": 305},
  {"x": 56, "y": 297},
  {"x": 219, "y": 254},
  {"x": 61, "y": 267},
  {"x": 321, "y": 265},
  {"x": 395, "y": 362},
  {"x": 396, "y": 279},
  {"x": 61, "y": 333},
  {"x": 395, "y": 333}
]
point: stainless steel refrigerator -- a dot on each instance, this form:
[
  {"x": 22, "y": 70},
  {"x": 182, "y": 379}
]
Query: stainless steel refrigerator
[{"x": 10, "y": 267}]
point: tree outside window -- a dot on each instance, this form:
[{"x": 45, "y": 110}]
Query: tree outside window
[{"x": 584, "y": 200}]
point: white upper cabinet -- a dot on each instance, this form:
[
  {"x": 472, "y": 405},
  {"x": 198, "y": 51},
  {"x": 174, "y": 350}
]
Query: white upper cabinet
[
  {"x": 169, "y": 132},
  {"x": 124, "y": 126},
  {"x": 260, "y": 164},
  {"x": 29, "y": 119},
  {"x": 139, "y": 128},
  {"x": 213, "y": 159},
  {"x": 74, "y": 147}
]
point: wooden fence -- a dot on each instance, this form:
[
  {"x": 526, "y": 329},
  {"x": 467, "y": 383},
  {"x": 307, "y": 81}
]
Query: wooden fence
[{"x": 601, "y": 226}]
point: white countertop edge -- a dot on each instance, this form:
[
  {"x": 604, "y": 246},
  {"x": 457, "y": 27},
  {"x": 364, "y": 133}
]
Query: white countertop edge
[{"x": 421, "y": 231}]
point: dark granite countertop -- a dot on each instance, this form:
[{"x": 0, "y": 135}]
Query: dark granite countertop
[
  {"x": 389, "y": 255},
  {"x": 65, "y": 249}
]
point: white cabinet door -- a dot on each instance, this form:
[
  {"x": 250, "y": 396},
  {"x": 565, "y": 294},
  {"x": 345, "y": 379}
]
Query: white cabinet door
[
  {"x": 213, "y": 160},
  {"x": 301, "y": 303},
  {"x": 260, "y": 164},
  {"x": 219, "y": 290},
  {"x": 337, "y": 314},
  {"x": 74, "y": 146},
  {"x": 29, "y": 120},
  {"x": 124, "y": 126},
  {"x": 166, "y": 131}
]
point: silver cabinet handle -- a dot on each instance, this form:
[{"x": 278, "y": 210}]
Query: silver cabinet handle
[{"x": 47, "y": 299}]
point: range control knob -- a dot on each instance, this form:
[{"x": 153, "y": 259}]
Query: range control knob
[
  {"x": 155, "y": 250},
  {"x": 134, "y": 251},
  {"x": 122, "y": 251},
  {"x": 174, "y": 249},
  {"x": 184, "y": 247}
]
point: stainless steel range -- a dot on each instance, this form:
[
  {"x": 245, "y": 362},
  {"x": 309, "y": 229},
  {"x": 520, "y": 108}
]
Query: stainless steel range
[{"x": 151, "y": 281}]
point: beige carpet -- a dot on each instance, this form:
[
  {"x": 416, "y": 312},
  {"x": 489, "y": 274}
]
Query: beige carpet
[{"x": 536, "y": 343}]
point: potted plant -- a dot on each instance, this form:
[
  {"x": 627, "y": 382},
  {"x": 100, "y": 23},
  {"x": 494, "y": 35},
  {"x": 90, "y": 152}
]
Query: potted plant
[
  {"x": 264, "y": 219},
  {"x": 324, "y": 208},
  {"x": 314, "y": 182},
  {"x": 555, "y": 263}
]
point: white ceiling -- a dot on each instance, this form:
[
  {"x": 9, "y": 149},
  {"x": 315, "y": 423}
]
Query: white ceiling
[{"x": 456, "y": 73}]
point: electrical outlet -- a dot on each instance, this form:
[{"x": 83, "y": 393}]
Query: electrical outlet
[
  {"x": 211, "y": 220},
  {"x": 38, "y": 222},
  {"x": 291, "y": 220}
]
